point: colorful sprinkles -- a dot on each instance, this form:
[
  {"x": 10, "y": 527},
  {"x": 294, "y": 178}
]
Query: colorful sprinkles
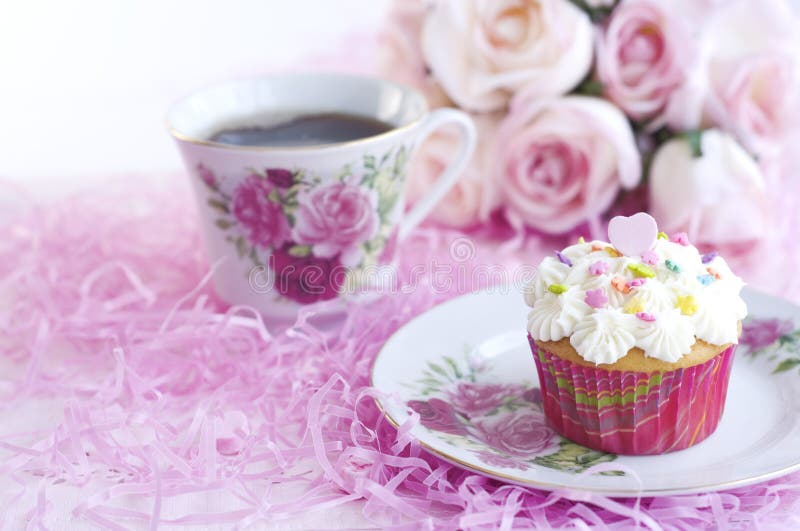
[
  {"x": 620, "y": 285},
  {"x": 686, "y": 304},
  {"x": 646, "y": 317},
  {"x": 681, "y": 238},
  {"x": 672, "y": 266},
  {"x": 563, "y": 259},
  {"x": 598, "y": 268},
  {"x": 705, "y": 279},
  {"x": 642, "y": 270},
  {"x": 650, "y": 257},
  {"x": 662, "y": 236},
  {"x": 636, "y": 282},
  {"x": 613, "y": 252},
  {"x": 635, "y": 305},
  {"x": 709, "y": 257},
  {"x": 558, "y": 289},
  {"x": 596, "y": 298}
]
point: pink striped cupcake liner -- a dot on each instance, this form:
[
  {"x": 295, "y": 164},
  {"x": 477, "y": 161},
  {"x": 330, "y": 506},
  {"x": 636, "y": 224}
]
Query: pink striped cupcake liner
[{"x": 634, "y": 413}]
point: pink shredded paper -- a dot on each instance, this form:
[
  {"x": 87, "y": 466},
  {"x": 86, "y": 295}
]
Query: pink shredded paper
[{"x": 151, "y": 390}]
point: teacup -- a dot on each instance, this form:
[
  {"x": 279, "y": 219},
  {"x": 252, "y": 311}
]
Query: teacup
[{"x": 290, "y": 226}]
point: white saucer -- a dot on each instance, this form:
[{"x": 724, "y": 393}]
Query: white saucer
[{"x": 466, "y": 365}]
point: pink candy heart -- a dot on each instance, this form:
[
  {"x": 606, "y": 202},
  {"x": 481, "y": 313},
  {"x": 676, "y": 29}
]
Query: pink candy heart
[{"x": 634, "y": 235}]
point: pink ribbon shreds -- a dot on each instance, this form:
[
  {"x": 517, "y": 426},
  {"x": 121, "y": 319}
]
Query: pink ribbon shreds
[{"x": 140, "y": 385}]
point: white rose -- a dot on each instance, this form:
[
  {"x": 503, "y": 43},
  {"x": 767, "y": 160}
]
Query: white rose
[
  {"x": 483, "y": 51},
  {"x": 718, "y": 198}
]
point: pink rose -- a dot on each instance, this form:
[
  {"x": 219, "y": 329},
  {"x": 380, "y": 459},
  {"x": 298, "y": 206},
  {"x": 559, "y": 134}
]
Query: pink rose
[
  {"x": 400, "y": 50},
  {"x": 747, "y": 80},
  {"x": 261, "y": 218},
  {"x": 642, "y": 56},
  {"x": 760, "y": 333},
  {"x": 475, "y": 399},
  {"x": 562, "y": 161},
  {"x": 495, "y": 459},
  {"x": 280, "y": 177},
  {"x": 718, "y": 198},
  {"x": 337, "y": 218},
  {"x": 472, "y": 199},
  {"x": 483, "y": 52},
  {"x": 306, "y": 279},
  {"x": 522, "y": 433},
  {"x": 436, "y": 414}
]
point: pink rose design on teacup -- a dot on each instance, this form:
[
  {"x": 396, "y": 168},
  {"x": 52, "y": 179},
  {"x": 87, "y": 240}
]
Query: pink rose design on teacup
[
  {"x": 307, "y": 279},
  {"x": 337, "y": 218},
  {"x": 261, "y": 218}
]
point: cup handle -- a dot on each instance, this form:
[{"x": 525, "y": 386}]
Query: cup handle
[{"x": 451, "y": 174}]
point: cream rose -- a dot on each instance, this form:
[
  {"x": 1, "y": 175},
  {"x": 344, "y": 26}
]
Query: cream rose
[
  {"x": 474, "y": 196},
  {"x": 562, "y": 161},
  {"x": 400, "y": 52},
  {"x": 718, "y": 197},
  {"x": 643, "y": 54},
  {"x": 482, "y": 51}
]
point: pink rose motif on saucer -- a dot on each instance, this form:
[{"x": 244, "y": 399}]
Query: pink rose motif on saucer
[
  {"x": 474, "y": 399},
  {"x": 336, "y": 218},
  {"x": 522, "y": 434},
  {"x": 437, "y": 414},
  {"x": 260, "y": 216}
]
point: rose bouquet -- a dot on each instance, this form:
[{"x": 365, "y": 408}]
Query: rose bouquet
[{"x": 683, "y": 108}]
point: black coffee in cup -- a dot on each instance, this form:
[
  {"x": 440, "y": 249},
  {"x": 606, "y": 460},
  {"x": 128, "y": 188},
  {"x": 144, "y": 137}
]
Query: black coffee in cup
[{"x": 304, "y": 130}]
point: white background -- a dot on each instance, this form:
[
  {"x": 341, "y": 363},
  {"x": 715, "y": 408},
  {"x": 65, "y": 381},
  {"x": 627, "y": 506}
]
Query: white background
[{"x": 85, "y": 84}]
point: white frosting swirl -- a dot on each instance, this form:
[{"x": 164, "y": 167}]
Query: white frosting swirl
[
  {"x": 604, "y": 336},
  {"x": 554, "y": 316},
  {"x": 607, "y": 304}
]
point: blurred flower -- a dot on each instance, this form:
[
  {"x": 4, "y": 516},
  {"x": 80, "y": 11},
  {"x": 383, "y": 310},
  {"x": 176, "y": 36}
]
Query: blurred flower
[
  {"x": 280, "y": 177},
  {"x": 562, "y": 161},
  {"x": 746, "y": 80},
  {"x": 262, "y": 219},
  {"x": 472, "y": 399},
  {"x": 642, "y": 57},
  {"x": 400, "y": 50},
  {"x": 307, "y": 278},
  {"x": 481, "y": 52},
  {"x": 436, "y": 414},
  {"x": 718, "y": 197},
  {"x": 760, "y": 333},
  {"x": 473, "y": 197},
  {"x": 523, "y": 433}
]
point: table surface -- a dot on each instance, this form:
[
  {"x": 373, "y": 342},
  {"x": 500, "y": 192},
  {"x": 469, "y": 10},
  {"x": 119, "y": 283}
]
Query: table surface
[{"x": 84, "y": 98}]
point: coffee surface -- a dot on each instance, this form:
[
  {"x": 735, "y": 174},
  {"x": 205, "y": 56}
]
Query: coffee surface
[{"x": 306, "y": 130}]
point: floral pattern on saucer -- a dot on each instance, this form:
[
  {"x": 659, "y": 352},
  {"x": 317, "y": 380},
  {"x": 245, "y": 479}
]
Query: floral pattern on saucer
[
  {"x": 776, "y": 339},
  {"x": 308, "y": 229},
  {"x": 503, "y": 425}
]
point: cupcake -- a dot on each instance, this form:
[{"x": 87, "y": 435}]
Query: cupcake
[{"x": 634, "y": 339}]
